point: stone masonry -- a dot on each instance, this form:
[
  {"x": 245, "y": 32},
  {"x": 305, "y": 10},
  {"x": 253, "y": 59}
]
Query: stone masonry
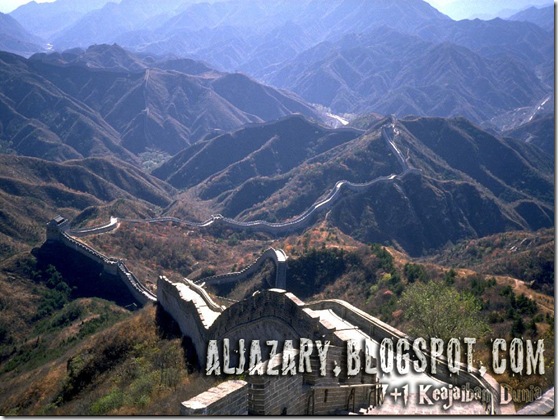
[{"x": 228, "y": 398}]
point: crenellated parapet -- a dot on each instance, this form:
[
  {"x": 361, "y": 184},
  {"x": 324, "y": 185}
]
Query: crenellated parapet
[
  {"x": 110, "y": 226},
  {"x": 277, "y": 256},
  {"x": 276, "y": 315},
  {"x": 273, "y": 314},
  {"x": 58, "y": 231}
]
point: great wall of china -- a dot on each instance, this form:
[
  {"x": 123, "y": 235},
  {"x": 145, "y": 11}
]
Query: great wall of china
[
  {"x": 57, "y": 230},
  {"x": 278, "y": 257},
  {"x": 389, "y": 132},
  {"x": 278, "y": 315},
  {"x": 60, "y": 231},
  {"x": 275, "y": 315}
]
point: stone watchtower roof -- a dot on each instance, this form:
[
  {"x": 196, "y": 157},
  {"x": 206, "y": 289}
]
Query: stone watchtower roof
[
  {"x": 58, "y": 220},
  {"x": 56, "y": 225}
]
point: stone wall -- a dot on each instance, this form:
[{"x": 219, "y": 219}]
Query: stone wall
[
  {"x": 541, "y": 407},
  {"x": 84, "y": 249},
  {"x": 110, "y": 226},
  {"x": 276, "y": 395},
  {"x": 379, "y": 330},
  {"x": 278, "y": 257},
  {"x": 273, "y": 315},
  {"x": 285, "y": 395},
  {"x": 138, "y": 290},
  {"x": 228, "y": 398},
  {"x": 113, "y": 267},
  {"x": 189, "y": 310},
  {"x": 59, "y": 232},
  {"x": 277, "y": 315}
]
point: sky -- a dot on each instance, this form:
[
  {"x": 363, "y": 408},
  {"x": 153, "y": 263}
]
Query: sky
[
  {"x": 6, "y": 6},
  {"x": 467, "y": 9},
  {"x": 453, "y": 8}
]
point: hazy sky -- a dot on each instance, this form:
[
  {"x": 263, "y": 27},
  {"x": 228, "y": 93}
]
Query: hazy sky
[
  {"x": 462, "y": 9},
  {"x": 6, "y": 6},
  {"x": 445, "y": 6}
]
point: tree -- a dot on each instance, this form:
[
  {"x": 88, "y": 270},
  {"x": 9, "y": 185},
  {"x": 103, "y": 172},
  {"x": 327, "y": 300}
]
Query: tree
[
  {"x": 435, "y": 309},
  {"x": 414, "y": 272}
]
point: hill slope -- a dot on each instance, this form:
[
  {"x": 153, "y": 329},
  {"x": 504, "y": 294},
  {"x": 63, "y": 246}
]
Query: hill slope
[
  {"x": 539, "y": 131},
  {"x": 543, "y": 17},
  {"x": 45, "y": 19},
  {"x": 38, "y": 119},
  {"x": 248, "y": 35},
  {"x": 32, "y": 191},
  {"x": 15, "y": 39}
]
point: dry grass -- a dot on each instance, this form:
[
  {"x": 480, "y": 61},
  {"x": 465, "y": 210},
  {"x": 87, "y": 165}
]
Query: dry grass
[{"x": 137, "y": 366}]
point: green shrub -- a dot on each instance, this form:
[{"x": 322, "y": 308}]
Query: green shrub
[{"x": 109, "y": 402}]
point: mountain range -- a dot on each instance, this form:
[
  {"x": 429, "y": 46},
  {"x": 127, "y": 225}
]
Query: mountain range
[
  {"x": 353, "y": 56},
  {"x": 14, "y": 37},
  {"x": 465, "y": 187},
  {"x": 542, "y": 16},
  {"x": 394, "y": 73},
  {"x": 33, "y": 190},
  {"x": 472, "y": 102},
  {"x": 46, "y": 19},
  {"x": 539, "y": 131},
  {"x": 381, "y": 144},
  {"x": 106, "y": 101}
]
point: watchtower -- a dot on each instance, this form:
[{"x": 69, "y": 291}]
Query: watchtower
[{"x": 55, "y": 227}]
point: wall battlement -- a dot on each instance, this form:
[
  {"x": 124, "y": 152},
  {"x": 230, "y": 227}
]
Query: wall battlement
[
  {"x": 278, "y": 257},
  {"x": 58, "y": 231}
]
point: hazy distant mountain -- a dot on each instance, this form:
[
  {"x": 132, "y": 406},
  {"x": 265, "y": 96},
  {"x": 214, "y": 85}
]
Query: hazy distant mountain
[
  {"x": 338, "y": 53},
  {"x": 299, "y": 50},
  {"x": 152, "y": 107},
  {"x": 389, "y": 72},
  {"x": 107, "y": 102},
  {"x": 540, "y": 131},
  {"x": 105, "y": 24},
  {"x": 38, "y": 119},
  {"x": 14, "y": 38},
  {"x": 45, "y": 19},
  {"x": 543, "y": 17},
  {"x": 523, "y": 41},
  {"x": 100, "y": 57},
  {"x": 253, "y": 35}
]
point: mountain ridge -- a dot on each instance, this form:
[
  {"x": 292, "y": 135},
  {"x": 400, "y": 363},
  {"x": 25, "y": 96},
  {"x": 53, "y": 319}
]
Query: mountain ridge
[
  {"x": 126, "y": 105},
  {"x": 390, "y": 72}
]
